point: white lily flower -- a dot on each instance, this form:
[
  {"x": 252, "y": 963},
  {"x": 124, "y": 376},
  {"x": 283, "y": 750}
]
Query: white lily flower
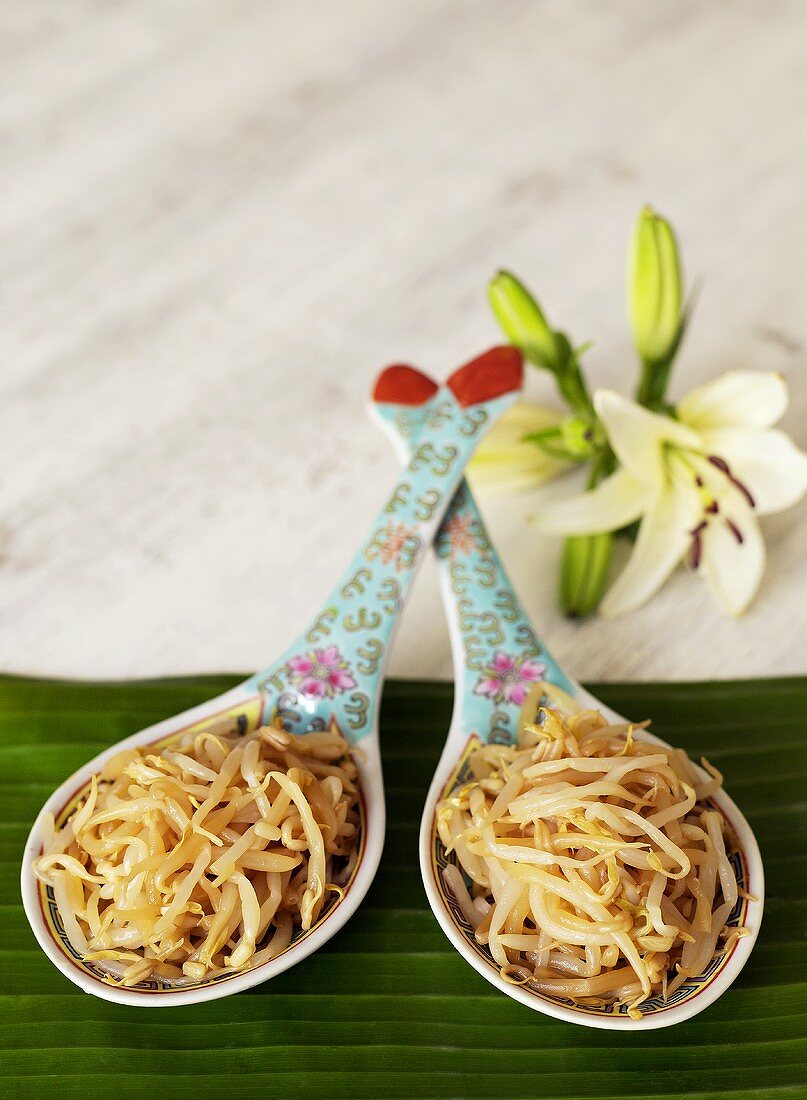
[
  {"x": 504, "y": 461},
  {"x": 697, "y": 483}
]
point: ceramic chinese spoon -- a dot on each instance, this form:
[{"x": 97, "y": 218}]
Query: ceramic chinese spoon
[
  {"x": 497, "y": 657},
  {"x": 332, "y": 674}
]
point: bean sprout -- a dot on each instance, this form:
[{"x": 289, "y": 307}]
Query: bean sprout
[
  {"x": 206, "y": 856},
  {"x": 588, "y": 861}
]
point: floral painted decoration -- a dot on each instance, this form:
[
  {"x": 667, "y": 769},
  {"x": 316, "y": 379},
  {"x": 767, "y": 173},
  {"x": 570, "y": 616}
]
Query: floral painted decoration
[
  {"x": 508, "y": 678},
  {"x": 320, "y": 673},
  {"x": 459, "y": 530},
  {"x": 395, "y": 545}
]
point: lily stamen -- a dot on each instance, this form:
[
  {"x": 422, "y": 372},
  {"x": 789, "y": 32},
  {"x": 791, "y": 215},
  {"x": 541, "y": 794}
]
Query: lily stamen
[
  {"x": 724, "y": 468},
  {"x": 696, "y": 550},
  {"x": 735, "y": 530}
]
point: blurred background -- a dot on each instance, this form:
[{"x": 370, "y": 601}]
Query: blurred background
[{"x": 219, "y": 220}]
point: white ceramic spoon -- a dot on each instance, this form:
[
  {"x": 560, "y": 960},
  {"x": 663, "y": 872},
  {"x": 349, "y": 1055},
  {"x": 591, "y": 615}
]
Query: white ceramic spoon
[
  {"x": 333, "y": 673},
  {"x": 497, "y": 656}
]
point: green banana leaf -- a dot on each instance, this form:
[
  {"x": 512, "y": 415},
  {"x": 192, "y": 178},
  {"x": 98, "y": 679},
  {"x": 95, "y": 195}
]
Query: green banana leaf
[{"x": 388, "y": 1009}]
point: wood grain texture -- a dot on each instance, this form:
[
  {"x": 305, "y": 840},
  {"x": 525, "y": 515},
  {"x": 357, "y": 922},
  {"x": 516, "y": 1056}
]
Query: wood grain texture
[{"x": 218, "y": 220}]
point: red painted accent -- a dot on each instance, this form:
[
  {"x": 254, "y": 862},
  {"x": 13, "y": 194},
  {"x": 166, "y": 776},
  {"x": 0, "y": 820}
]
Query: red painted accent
[
  {"x": 403, "y": 385},
  {"x": 498, "y": 371}
]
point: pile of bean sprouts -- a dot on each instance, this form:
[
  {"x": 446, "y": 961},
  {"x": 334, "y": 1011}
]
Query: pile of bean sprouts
[
  {"x": 206, "y": 856},
  {"x": 598, "y": 872}
]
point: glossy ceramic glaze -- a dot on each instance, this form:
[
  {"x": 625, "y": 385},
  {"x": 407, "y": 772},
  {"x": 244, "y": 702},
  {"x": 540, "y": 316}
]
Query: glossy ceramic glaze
[
  {"x": 331, "y": 675},
  {"x": 497, "y": 657}
]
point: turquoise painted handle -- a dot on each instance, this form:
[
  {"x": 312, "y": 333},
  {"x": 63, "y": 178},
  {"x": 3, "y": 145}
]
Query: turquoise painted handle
[
  {"x": 335, "y": 670},
  {"x": 497, "y": 654}
]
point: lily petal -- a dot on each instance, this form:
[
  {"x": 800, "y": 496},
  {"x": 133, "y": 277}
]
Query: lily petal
[
  {"x": 664, "y": 536},
  {"x": 768, "y": 463},
  {"x": 504, "y": 461},
  {"x": 733, "y": 569},
  {"x": 637, "y": 435},
  {"x": 737, "y": 399},
  {"x": 618, "y": 500}
]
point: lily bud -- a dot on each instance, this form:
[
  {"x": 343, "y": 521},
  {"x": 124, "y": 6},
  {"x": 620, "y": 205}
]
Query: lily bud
[
  {"x": 584, "y": 569},
  {"x": 654, "y": 288},
  {"x": 579, "y": 437},
  {"x": 523, "y": 320},
  {"x": 508, "y": 459}
]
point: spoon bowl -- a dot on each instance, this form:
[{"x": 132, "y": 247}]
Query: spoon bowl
[
  {"x": 692, "y": 997},
  {"x": 331, "y": 677},
  {"x": 244, "y": 710},
  {"x": 497, "y": 657}
]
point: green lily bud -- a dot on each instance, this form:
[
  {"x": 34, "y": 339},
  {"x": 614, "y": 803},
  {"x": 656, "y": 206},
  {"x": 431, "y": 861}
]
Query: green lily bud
[
  {"x": 525, "y": 325},
  {"x": 654, "y": 288},
  {"x": 586, "y": 559},
  {"x": 523, "y": 320},
  {"x": 574, "y": 439},
  {"x": 584, "y": 569},
  {"x": 580, "y": 438}
]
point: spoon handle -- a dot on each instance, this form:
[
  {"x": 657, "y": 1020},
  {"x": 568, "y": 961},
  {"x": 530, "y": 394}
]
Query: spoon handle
[
  {"x": 340, "y": 658},
  {"x": 497, "y": 654}
]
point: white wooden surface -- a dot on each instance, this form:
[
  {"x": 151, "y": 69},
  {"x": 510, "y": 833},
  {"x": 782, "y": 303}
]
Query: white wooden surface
[{"x": 219, "y": 219}]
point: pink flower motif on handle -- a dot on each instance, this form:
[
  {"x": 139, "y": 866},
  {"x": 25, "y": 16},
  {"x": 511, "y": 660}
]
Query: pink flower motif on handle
[
  {"x": 320, "y": 673},
  {"x": 507, "y": 679}
]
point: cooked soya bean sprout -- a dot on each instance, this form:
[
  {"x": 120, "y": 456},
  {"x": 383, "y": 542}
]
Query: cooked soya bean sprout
[
  {"x": 205, "y": 856},
  {"x": 598, "y": 872}
]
